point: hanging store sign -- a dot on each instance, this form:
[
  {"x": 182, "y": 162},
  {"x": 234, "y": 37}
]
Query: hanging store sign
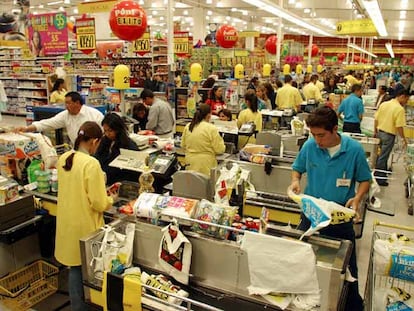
[
  {"x": 181, "y": 43},
  {"x": 356, "y": 27},
  {"x": 128, "y": 21},
  {"x": 85, "y": 35},
  {"x": 142, "y": 45},
  {"x": 48, "y": 34},
  {"x": 96, "y": 7},
  {"x": 249, "y": 34}
]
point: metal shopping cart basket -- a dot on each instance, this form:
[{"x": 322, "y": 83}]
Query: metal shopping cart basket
[{"x": 390, "y": 279}]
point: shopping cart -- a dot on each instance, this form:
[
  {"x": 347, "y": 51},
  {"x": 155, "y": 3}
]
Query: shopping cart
[
  {"x": 390, "y": 282},
  {"x": 409, "y": 182}
]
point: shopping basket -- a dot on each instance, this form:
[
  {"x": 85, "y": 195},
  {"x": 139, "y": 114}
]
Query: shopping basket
[
  {"x": 29, "y": 285},
  {"x": 381, "y": 285}
]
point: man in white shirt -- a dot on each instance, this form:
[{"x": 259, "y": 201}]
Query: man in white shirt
[{"x": 72, "y": 118}]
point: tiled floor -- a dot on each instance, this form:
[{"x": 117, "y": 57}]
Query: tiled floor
[{"x": 392, "y": 198}]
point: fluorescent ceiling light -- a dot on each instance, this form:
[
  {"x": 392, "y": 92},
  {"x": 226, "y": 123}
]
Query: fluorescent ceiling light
[
  {"x": 374, "y": 13},
  {"x": 401, "y": 26},
  {"x": 403, "y": 14},
  {"x": 268, "y": 6},
  {"x": 389, "y": 49},
  {"x": 356, "y": 47},
  {"x": 404, "y": 4},
  {"x": 54, "y": 2},
  {"x": 306, "y": 11}
]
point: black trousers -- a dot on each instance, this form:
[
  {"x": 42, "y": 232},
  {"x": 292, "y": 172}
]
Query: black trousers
[
  {"x": 352, "y": 127},
  {"x": 346, "y": 232}
]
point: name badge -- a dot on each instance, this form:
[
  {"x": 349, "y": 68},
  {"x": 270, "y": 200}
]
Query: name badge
[{"x": 343, "y": 182}]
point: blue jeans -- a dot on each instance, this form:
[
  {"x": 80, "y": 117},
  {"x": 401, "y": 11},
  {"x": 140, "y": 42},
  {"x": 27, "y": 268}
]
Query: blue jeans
[
  {"x": 77, "y": 301},
  {"x": 386, "y": 143}
]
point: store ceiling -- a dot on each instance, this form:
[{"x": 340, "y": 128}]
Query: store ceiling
[{"x": 322, "y": 13}]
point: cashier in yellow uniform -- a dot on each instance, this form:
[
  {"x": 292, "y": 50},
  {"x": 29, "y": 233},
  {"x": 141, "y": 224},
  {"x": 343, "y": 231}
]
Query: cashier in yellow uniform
[
  {"x": 201, "y": 142},
  {"x": 249, "y": 115},
  {"x": 58, "y": 92},
  {"x": 82, "y": 199}
]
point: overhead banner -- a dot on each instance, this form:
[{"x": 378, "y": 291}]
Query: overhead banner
[
  {"x": 85, "y": 34},
  {"x": 181, "y": 43},
  {"x": 48, "y": 34},
  {"x": 96, "y": 6},
  {"x": 356, "y": 27}
]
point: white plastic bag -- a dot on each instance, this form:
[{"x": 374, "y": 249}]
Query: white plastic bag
[
  {"x": 175, "y": 253},
  {"x": 114, "y": 245},
  {"x": 320, "y": 212}
]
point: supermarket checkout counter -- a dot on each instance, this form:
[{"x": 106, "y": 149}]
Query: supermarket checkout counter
[
  {"x": 219, "y": 273},
  {"x": 48, "y": 111}
]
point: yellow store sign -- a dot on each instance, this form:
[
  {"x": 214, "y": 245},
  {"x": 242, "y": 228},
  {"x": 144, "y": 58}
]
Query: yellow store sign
[
  {"x": 96, "y": 6},
  {"x": 356, "y": 27}
]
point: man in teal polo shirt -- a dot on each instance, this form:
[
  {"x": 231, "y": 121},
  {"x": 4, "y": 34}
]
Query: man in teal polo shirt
[
  {"x": 333, "y": 164},
  {"x": 353, "y": 109}
]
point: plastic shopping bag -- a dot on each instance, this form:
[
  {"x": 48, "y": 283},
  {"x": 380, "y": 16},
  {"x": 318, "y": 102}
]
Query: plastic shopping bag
[
  {"x": 320, "y": 212},
  {"x": 175, "y": 253},
  {"x": 115, "y": 246}
]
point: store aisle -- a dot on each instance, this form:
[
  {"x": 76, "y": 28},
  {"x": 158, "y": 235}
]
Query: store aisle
[{"x": 392, "y": 196}]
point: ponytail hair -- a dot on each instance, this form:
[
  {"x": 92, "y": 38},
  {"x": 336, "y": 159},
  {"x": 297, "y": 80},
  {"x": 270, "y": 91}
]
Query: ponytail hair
[
  {"x": 202, "y": 111},
  {"x": 88, "y": 130},
  {"x": 251, "y": 100}
]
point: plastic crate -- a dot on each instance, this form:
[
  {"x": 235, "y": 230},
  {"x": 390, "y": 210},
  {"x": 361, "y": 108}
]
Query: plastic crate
[{"x": 28, "y": 286}]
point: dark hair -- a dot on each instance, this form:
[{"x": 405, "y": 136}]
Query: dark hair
[
  {"x": 294, "y": 84},
  {"x": 213, "y": 93},
  {"x": 97, "y": 80},
  {"x": 57, "y": 83},
  {"x": 251, "y": 98},
  {"x": 403, "y": 92},
  {"x": 88, "y": 130},
  {"x": 323, "y": 117},
  {"x": 209, "y": 37},
  {"x": 279, "y": 83},
  {"x": 227, "y": 113},
  {"x": 209, "y": 83},
  {"x": 137, "y": 108},
  {"x": 75, "y": 96},
  {"x": 356, "y": 87},
  {"x": 269, "y": 89},
  {"x": 314, "y": 77},
  {"x": 288, "y": 78},
  {"x": 116, "y": 124},
  {"x": 202, "y": 111},
  {"x": 146, "y": 93},
  {"x": 383, "y": 87},
  {"x": 39, "y": 45}
]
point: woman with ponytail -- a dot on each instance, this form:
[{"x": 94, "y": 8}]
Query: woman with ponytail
[
  {"x": 201, "y": 142},
  {"x": 82, "y": 199},
  {"x": 250, "y": 115}
]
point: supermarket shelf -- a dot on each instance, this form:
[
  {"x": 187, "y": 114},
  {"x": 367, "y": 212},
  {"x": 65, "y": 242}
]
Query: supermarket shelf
[
  {"x": 31, "y": 87},
  {"x": 35, "y": 97},
  {"x": 14, "y": 113},
  {"x": 12, "y": 95}
]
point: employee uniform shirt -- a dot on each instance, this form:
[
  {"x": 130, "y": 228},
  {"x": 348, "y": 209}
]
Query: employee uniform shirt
[
  {"x": 58, "y": 96},
  {"x": 311, "y": 91},
  {"x": 72, "y": 123},
  {"x": 389, "y": 116},
  {"x": 352, "y": 107},
  {"x": 247, "y": 115},
  {"x": 81, "y": 201},
  {"x": 201, "y": 147},
  {"x": 323, "y": 171},
  {"x": 351, "y": 80},
  {"x": 320, "y": 85},
  {"x": 288, "y": 97},
  {"x": 160, "y": 117}
]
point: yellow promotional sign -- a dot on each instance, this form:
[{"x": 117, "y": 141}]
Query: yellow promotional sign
[
  {"x": 246, "y": 34},
  {"x": 181, "y": 43},
  {"x": 356, "y": 27},
  {"x": 85, "y": 35},
  {"x": 142, "y": 45},
  {"x": 226, "y": 53},
  {"x": 241, "y": 53},
  {"x": 96, "y": 6}
]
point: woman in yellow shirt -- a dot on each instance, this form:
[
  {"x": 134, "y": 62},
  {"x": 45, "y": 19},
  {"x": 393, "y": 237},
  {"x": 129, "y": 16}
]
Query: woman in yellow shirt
[
  {"x": 249, "y": 115},
  {"x": 201, "y": 142},
  {"x": 58, "y": 92},
  {"x": 82, "y": 199}
]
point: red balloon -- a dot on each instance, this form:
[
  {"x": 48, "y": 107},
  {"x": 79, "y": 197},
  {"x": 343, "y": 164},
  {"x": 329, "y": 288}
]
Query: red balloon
[
  {"x": 227, "y": 36},
  {"x": 128, "y": 20},
  {"x": 357, "y": 58},
  {"x": 341, "y": 56},
  {"x": 315, "y": 50},
  {"x": 270, "y": 44}
]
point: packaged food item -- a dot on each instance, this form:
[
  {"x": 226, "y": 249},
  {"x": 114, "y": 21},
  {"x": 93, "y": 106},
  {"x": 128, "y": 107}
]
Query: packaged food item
[
  {"x": 156, "y": 282},
  {"x": 43, "y": 181},
  {"x": 8, "y": 190}
]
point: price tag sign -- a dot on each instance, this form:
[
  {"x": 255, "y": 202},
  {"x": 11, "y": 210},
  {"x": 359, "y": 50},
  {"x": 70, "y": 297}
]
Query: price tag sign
[
  {"x": 142, "y": 45},
  {"x": 16, "y": 68},
  {"x": 85, "y": 35},
  {"x": 181, "y": 43}
]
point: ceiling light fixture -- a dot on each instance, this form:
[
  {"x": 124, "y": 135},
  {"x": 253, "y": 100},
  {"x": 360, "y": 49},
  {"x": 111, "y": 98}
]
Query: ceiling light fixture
[
  {"x": 268, "y": 6},
  {"x": 374, "y": 13},
  {"x": 403, "y": 14},
  {"x": 185, "y": 12},
  {"x": 75, "y": 11},
  {"x": 41, "y": 6},
  {"x": 389, "y": 49},
  {"x": 54, "y": 2},
  {"x": 356, "y": 47},
  {"x": 66, "y": 1},
  {"x": 141, "y": 2},
  {"x": 306, "y": 11},
  {"x": 209, "y": 1},
  {"x": 291, "y": 2},
  {"x": 404, "y": 4}
]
